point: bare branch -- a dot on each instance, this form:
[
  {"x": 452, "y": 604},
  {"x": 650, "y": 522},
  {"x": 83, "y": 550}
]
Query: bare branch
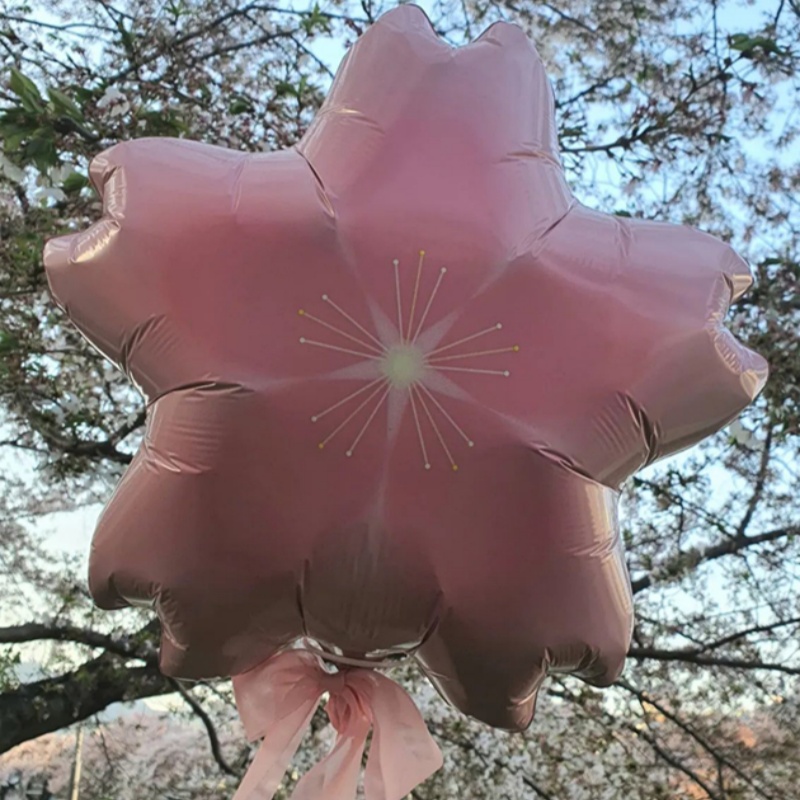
[
  {"x": 727, "y": 547},
  {"x": 715, "y": 645},
  {"x": 216, "y": 749},
  {"x": 469, "y": 746},
  {"x": 660, "y": 491},
  {"x": 673, "y": 761},
  {"x": 650, "y": 739},
  {"x": 690, "y": 656},
  {"x": 103, "y": 449},
  {"x": 126, "y": 646},
  {"x": 699, "y": 738},
  {"x": 67, "y": 27},
  {"x": 567, "y": 18},
  {"x": 48, "y": 705}
]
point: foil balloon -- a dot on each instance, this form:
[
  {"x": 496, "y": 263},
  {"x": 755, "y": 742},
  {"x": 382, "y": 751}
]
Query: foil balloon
[{"x": 395, "y": 377}]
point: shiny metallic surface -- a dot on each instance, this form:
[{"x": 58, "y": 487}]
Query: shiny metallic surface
[{"x": 395, "y": 378}]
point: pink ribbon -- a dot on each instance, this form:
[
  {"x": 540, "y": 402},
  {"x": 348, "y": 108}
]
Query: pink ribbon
[{"x": 277, "y": 700}]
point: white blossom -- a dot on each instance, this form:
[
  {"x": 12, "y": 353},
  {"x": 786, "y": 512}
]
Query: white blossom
[
  {"x": 45, "y": 193},
  {"x": 10, "y": 170},
  {"x": 59, "y": 174},
  {"x": 115, "y": 101},
  {"x": 742, "y": 435}
]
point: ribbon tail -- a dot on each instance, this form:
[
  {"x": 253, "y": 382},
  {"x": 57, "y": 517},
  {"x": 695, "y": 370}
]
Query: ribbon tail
[
  {"x": 275, "y": 754},
  {"x": 335, "y": 777},
  {"x": 403, "y": 753}
]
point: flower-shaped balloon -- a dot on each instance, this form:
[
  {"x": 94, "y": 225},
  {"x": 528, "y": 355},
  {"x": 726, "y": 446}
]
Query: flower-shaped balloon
[{"x": 396, "y": 375}]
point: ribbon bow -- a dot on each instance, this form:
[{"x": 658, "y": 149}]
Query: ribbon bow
[{"x": 277, "y": 700}]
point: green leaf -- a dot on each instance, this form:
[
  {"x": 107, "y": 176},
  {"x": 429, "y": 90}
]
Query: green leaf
[
  {"x": 240, "y": 106},
  {"x": 74, "y": 183},
  {"x": 739, "y": 41},
  {"x": 26, "y": 90},
  {"x": 13, "y": 135},
  {"x": 85, "y": 95},
  {"x": 176, "y": 9},
  {"x": 8, "y": 343},
  {"x": 64, "y": 104},
  {"x": 127, "y": 40},
  {"x": 162, "y": 123},
  {"x": 284, "y": 89},
  {"x": 315, "y": 21},
  {"x": 747, "y": 44},
  {"x": 41, "y": 149}
]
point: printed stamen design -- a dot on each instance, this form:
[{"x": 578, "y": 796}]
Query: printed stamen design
[{"x": 403, "y": 365}]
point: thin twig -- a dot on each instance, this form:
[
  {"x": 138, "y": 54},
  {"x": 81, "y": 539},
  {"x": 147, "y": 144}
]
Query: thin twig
[{"x": 216, "y": 749}]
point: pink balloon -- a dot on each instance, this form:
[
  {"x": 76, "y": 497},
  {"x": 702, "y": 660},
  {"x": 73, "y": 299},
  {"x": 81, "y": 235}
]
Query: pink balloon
[{"x": 396, "y": 375}]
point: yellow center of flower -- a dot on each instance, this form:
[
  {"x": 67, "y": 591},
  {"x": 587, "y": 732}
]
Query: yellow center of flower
[{"x": 403, "y": 365}]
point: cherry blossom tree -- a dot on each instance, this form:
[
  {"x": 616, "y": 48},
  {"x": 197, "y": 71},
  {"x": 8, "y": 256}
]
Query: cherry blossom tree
[{"x": 679, "y": 110}]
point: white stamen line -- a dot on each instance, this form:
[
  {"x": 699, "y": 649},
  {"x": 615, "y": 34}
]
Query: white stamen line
[
  {"x": 446, "y": 415},
  {"x": 417, "y": 390},
  {"x": 513, "y": 349},
  {"x": 438, "y": 433},
  {"x": 427, "y": 307},
  {"x": 303, "y": 340},
  {"x": 397, "y": 293},
  {"x": 466, "y": 339},
  {"x": 358, "y": 325},
  {"x": 369, "y": 346},
  {"x": 419, "y": 428},
  {"x": 351, "y": 396},
  {"x": 505, "y": 373},
  {"x": 366, "y": 424},
  {"x": 416, "y": 291},
  {"x": 345, "y": 421}
]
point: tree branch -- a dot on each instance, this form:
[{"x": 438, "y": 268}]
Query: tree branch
[
  {"x": 691, "y": 656},
  {"x": 124, "y": 646},
  {"x": 661, "y": 124},
  {"x": 643, "y": 697},
  {"x": 48, "y": 705},
  {"x": 673, "y": 497},
  {"x": 488, "y": 761},
  {"x": 716, "y": 644},
  {"x": 105, "y": 449},
  {"x": 674, "y": 762},
  {"x": 216, "y": 749},
  {"x": 68, "y": 27},
  {"x": 694, "y": 558},
  {"x": 572, "y": 20},
  {"x": 650, "y": 739},
  {"x": 187, "y": 37}
]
